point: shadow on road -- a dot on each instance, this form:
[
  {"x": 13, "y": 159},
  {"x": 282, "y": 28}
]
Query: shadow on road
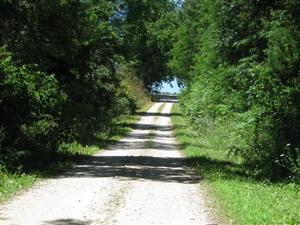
[
  {"x": 66, "y": 222},
  {"x": 164, "y": 98},
  {"x": 135, "y": 167},
  {"x": 158, "y": 114}
]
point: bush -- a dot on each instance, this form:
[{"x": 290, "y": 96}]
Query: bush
[
  {"x": 30, "y": 106},
  {"x": 242, "y": 79}
]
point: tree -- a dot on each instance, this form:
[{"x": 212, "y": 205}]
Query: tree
[
  {"x": 240, "y": 62},
  {"x": 148, "y": 37}
]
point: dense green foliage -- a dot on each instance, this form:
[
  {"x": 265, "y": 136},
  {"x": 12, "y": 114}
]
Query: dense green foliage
[
  {"x": 148, "y": 36},
  {"x": 30, "y": 104},
  {"x": 75, "y": 91},
  {"x": 66, "y": 73},
  {"x": 240, "y": 62}
]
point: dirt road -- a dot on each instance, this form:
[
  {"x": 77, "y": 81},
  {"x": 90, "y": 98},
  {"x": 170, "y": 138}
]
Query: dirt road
[{"x": 143, "y": 179}]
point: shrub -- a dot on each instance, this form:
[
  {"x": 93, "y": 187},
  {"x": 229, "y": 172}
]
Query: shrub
[
  {"x": 30, "y": 106},
  {"x": 242, "y": 79}
]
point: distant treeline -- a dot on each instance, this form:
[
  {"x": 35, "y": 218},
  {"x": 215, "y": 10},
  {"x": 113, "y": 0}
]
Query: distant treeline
[
  {"x": 68, "y": 67},
  {"x": 240, "y": 61}
]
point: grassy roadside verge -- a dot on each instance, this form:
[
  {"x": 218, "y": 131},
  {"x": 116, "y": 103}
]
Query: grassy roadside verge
[
  {"x": 13, "y": 182},
  {"x": 242, "y": 198}
]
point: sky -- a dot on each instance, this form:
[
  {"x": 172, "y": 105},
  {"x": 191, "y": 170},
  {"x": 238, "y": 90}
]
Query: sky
[{"x": 167, "y": 87}]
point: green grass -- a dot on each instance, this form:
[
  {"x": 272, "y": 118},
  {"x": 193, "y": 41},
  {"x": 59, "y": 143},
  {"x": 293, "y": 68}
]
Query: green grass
[
  {"x": 149, "y": 143},
  {"x": 160, "y": 108},
  {"x": 241, "y": 198},
  {"x": 68, "y": 154},
  {"x": 11, "y": 183}
]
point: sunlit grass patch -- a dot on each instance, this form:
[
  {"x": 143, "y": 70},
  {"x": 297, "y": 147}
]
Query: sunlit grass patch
[{"x": 11, "y": 183}]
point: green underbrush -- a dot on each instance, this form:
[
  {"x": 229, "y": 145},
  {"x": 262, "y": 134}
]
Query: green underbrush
[
  {"x": 14, "y": 180},
  {"x": 241, "y": 196}
]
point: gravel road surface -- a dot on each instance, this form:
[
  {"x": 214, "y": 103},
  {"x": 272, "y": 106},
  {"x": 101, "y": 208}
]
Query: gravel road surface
[{"x": 143, "y": 179}]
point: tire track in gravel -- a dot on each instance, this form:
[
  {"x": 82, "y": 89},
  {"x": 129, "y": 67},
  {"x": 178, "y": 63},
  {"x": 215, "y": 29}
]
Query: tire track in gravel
[{"x": 117, "y": 199}]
